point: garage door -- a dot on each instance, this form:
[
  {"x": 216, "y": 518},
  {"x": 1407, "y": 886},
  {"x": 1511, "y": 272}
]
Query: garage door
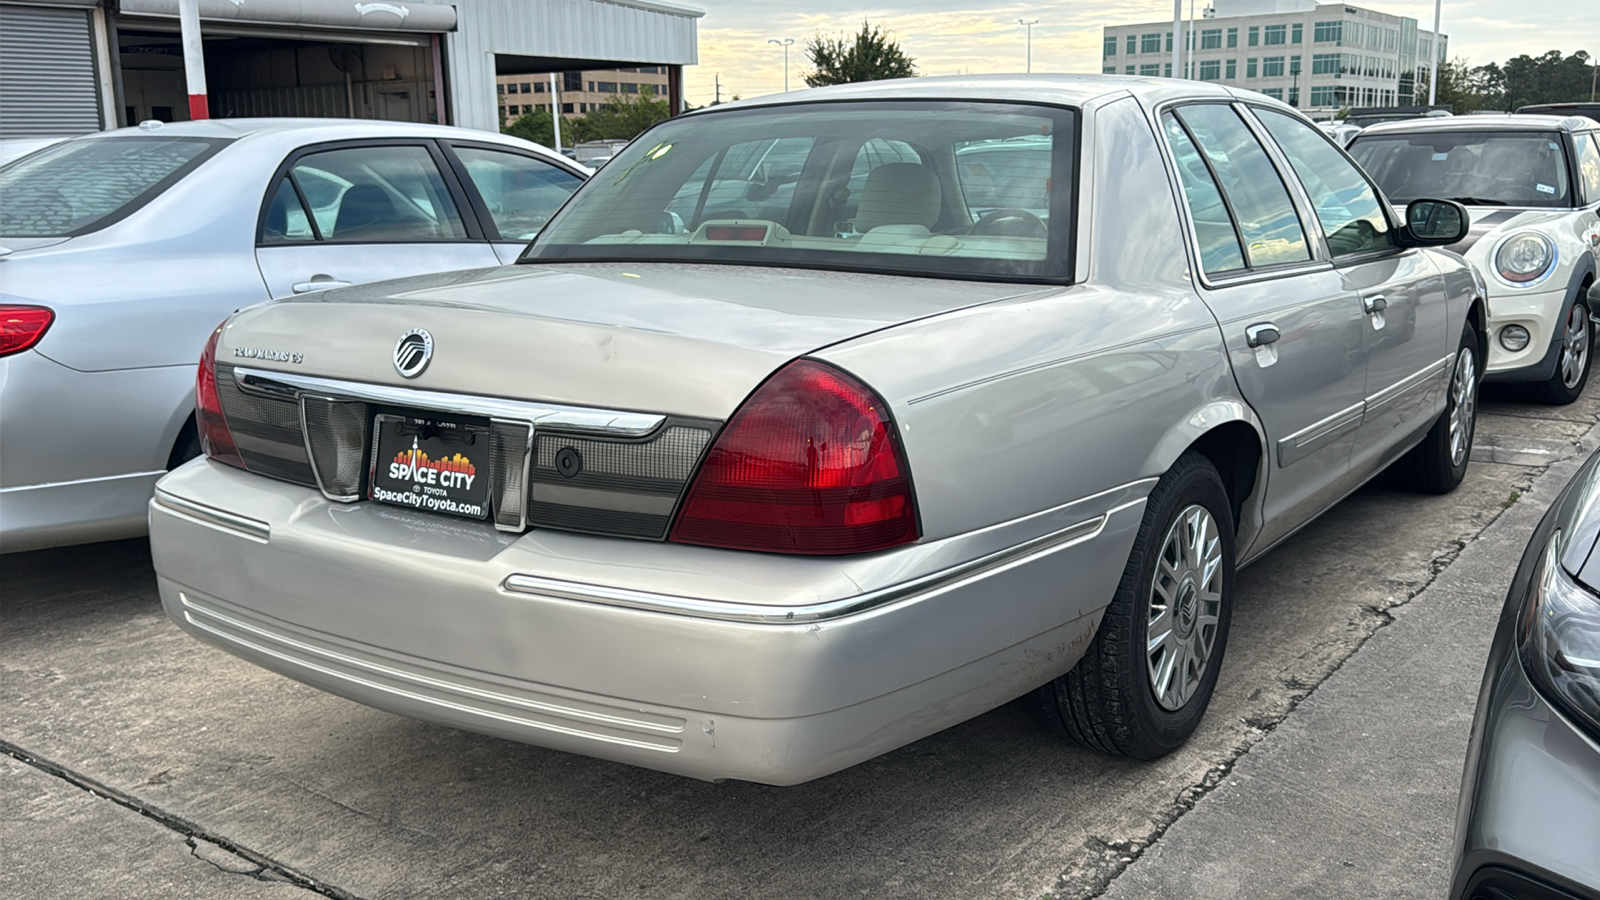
[{"x": 47, "y": 78}]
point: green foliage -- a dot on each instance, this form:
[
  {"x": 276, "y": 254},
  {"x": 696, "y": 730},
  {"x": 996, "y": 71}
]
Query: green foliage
[
  {"x": 1548, "y": 78},
  {"x": 869, "y": 56},
  {"x": 623, "y": 116}
]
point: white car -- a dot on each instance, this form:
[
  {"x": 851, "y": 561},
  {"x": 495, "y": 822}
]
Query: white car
[
  {"x": 1532, "y": 185},
  {"x": 121, "y": 251}
]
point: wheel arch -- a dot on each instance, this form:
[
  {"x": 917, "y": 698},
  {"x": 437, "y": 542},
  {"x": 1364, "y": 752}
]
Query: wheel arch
[{"x": 1229, "y": 435}]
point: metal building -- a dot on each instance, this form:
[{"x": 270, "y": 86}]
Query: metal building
[{"x": 73, "y": 66}]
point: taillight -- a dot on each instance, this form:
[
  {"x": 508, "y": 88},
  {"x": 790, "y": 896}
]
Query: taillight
[
  {"x": 215, "y": 438},
  {"x": 810, "y": 463},
  {"x": 22, "y": 326}
]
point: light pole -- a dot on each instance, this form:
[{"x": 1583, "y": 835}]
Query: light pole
[
  {"x": 1433, "y": 58},
  {"x": 785, "y": 43},
  {"x": 1028, "y": 24}
]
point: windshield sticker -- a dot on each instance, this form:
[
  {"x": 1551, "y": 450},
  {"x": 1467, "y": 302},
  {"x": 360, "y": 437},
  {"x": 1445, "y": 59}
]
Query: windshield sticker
[
  {"x": 1439, "y": 156},
  {"x": 1545, "y": 188}
]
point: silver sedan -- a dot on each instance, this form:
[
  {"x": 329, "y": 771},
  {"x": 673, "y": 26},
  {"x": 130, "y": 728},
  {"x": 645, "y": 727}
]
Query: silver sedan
[
  {"x": 811, "y": 427},
  {"x": 120, "y": 252}
]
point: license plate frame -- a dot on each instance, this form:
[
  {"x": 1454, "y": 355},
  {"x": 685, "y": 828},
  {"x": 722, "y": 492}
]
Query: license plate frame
[{"x": 435, "y": 463}]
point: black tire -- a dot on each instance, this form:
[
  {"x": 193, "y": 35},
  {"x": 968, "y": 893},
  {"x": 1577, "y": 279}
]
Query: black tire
[
  {"x": 1108, "y": 702},
  {"x": 1573, "y": 360},
  {"x": 186, "y": 447},
  {"x": 1438, "y": 464}
]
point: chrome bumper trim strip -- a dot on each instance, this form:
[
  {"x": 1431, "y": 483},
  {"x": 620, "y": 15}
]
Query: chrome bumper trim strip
[
  {"x": 1408, "y": 384},
  {"x": 1304, "y": 442},
  {"x": 212, "y": 517},
  {"x": 729, "y": 611}
]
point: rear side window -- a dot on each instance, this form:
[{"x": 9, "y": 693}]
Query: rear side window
[
  {"x": 1351, "y": 215},
  {"x": 376, "y": 194},
  {"x": 521, "y": 192},
  {"x": 1256, "y": 196},
  {"x": 81, "y": 186},
  {"x": 1588, "y": 147},
  {"x": 1219, "y": 243}
]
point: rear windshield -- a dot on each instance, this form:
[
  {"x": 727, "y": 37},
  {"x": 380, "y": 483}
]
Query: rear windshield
[
  {"x": 80, "y": 186},
  {"x": 929, "y": 188},
  {"x": 1476, "y": 168}
]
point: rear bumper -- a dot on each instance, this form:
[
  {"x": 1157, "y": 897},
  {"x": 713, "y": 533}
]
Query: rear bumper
[{"x": 712, "y": 664}]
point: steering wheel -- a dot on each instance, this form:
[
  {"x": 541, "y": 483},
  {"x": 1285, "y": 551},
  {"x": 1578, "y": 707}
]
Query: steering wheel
[{"x": 1010, "y": 222}]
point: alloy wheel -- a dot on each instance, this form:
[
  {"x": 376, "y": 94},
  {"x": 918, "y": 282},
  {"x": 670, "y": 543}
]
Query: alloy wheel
[
  {"x": 1463, "y": 405},
  {"x": 1185, "y": 602},
  {"x": 1575, "y": 346}
]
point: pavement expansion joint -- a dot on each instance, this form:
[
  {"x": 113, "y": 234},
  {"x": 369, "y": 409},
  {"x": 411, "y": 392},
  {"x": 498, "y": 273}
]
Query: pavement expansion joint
[
  {"x": 1092, "y": 878},
  {"x": 218, "y": 851}
]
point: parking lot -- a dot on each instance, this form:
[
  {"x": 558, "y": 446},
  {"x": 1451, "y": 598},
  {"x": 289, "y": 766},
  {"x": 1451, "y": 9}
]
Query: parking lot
[{"x": 142, "y": 763}]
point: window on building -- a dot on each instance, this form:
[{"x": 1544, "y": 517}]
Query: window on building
[
  {"x": 1274, "y": 93},
  {"x": 566, "y": 108},
  {"x": 1108, "y": 70},
  {"x": 1166, "y": 70},
  {"x": 591, "y": 87},
  {"x": 1272, "y": 67},
  {"x": 1326, "y": 32},
  {"x": 1210, "y": 69},
  {"x": 526, "y": 88},
  {"x": 1149, "y": 43},
  {"x": 513, "y": 110},
  {"x": 1322, "y": 96},
  {"x": 1249, "y": 68},
  {"x": 1233, "y": 38},
  {"x": 629, "y": 87},
  {"x": 1132, "y": 44},
  {"x": 538, "y": 87},
  {"x": 500, "y": 89},
  {"x": 1151, "y": 69},
  {"x": 1294, "y": 97},
  {"x": 1232, "y": 67},
  {"x": 605, "y": 87},
  {"x": 1211, "y": 39},
  {"x": 1276, "y": 34},
  {"x": 572, "y": 81},
  {"x": 1128, "y": 70},
  {"x": 1325, "y": 64},
  {"x": 1169, "y": 42},
  {"x": 1255, "y": 36},
  {"x": 1111, "y": 46},
  {"x": 1296, "y": 32}
]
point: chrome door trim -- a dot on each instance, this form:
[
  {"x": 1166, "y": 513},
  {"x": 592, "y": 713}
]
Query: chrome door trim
[
  {"x": 1307, "y": 440},
  {"x": 733, "y": 611},
  {"x": 615, "y": 423},
  {"x": 211, "y": 517},
  {"x": 1406, "y": 385}
]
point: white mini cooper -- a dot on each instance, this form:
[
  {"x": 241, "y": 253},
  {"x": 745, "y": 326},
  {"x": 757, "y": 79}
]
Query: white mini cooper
[{"x": 1532, "y": 184}]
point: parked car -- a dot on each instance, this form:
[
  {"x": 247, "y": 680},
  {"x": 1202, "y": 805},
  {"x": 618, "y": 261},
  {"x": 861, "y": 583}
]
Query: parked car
[
  {"x": 1529, "y": 812},
  {"x": 1533, "y": 186},
  {"x": 124, "y": 249},
  {"x": 1341, "y": 132},
  {"x": 764, "y": 493},
  {"x": 1591, "y": 110}
]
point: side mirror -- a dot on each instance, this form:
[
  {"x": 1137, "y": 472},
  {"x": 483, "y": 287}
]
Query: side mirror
[{"x": 1435, "y": 223}]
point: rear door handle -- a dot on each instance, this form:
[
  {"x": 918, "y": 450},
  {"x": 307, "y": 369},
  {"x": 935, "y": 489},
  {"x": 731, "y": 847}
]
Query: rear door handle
[
  {"x": 1375, "y": 304},
  {"x": 1261, "y": 334},
  {"x": 319, "y": 283}
]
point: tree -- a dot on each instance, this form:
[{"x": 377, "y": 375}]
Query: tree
[
  {"x": 625, "y": 118},
  {"x": 537, "y": 127},
  {"x": 870, "y": 56},
  {"x": 1455, "y": 87}
]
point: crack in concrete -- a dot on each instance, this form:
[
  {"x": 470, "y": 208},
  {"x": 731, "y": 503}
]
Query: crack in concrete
[
  {"x": 1116, "y": 856},
  {"x": 252, "y": 864}
]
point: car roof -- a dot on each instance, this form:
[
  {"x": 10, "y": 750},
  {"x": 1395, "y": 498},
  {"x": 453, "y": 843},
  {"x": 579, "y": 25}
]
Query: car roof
[
  {"x": 316, "y": 130},
  {"x": 1503, "y": 122},
  {"x": 1059, "y": 89}
]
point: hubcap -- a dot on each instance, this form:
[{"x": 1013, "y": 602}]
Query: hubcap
[
  {"x": 1185, "y": 603},
  {"x": 1575, "y": 346},
  {"x": 1463, "y": 405}
]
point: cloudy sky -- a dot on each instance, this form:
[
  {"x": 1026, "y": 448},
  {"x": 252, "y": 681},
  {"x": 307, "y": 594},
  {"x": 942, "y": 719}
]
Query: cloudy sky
[{"x": 951, "y": 36}]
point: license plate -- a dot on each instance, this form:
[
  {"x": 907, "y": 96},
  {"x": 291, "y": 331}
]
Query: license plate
[{"x": 435, "y": 464}]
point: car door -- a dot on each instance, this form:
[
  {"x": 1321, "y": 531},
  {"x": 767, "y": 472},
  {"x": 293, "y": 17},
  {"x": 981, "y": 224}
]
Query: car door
[
  {"x": 1293, "y": 332},
  {"x": 1400, "y": 290},
  {"x": 514, "y": 192},
  {"x": 361, "y": 211}
]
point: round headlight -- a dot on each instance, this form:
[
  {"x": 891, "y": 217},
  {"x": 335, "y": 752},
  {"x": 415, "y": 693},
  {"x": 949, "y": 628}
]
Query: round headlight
[
  {"x": 1524, "y": 258},
  {"x": 1514, "y": 337}
]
